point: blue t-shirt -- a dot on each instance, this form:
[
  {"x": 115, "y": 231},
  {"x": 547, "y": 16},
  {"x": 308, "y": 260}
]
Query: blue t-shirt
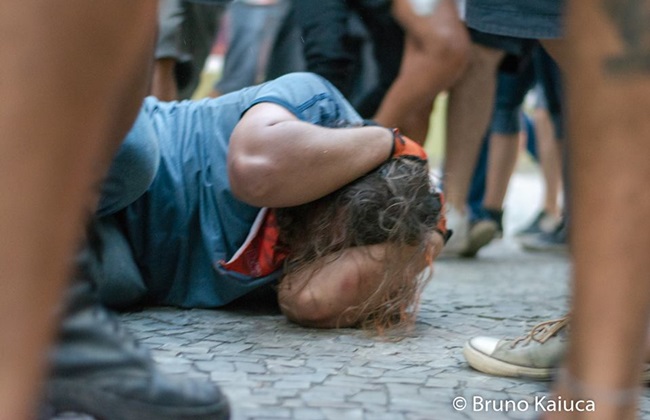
[{"x": 188, "y": 220}]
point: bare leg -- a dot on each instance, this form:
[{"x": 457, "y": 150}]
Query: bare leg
[
  {"x": 74, "y": 74},
  {"x": 550, "y": 160},
  {"x": 609, "y": 95},
  {"x": 435, "y": 53},
  {"x": 470, "y": 106},
  {"x": 502, "y": 158},
  {"x": 163, "y": 83}
]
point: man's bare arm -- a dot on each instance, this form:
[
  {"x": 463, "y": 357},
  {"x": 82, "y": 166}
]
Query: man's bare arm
[
  {"x": 334, "y": 296},
  {"x": 275, "y": 160}
]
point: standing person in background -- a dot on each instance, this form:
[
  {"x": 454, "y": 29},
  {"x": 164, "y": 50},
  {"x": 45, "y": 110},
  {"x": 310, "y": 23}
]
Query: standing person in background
[
  {"x": 517, "y": 75},
  {"x": 261, "y": 44},
  {"x": 186, "y": 33},
  {"x": 333, "y": 50},
  {"x": 605, "y": 57},
  {"x": 436, "y": 52}
]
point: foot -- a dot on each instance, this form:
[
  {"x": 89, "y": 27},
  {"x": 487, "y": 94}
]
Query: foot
[
  {"x": 543, "y": 223},
  {"x": 556, "y": 241},
  {"x": 458, "y": 223},
  {"x": 99, "y": 369},
  {"x": 535, "y": 355},
  {"x": 481, "y": 233},
  {"x": 468, "y": 237},
  {"x": 496, "y": 215}
]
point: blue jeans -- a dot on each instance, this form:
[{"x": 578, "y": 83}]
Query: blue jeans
[
  {"x": 515, "y": 78},
  {"x": 261, "y": 45}
]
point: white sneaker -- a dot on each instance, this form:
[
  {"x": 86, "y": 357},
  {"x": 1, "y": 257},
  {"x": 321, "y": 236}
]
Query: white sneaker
[
  {"x": 535, "y": 355},
  {"x": 458, "y": 223}
]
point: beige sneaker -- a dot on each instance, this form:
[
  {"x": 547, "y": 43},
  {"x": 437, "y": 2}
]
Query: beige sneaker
[
  {"x": 458, "y": 223},
  {"x": 536, "y": 355},
  {"x": 480, "y": 234}
]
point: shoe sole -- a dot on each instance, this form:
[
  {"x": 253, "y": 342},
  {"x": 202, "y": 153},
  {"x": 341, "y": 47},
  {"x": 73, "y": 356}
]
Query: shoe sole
[
  {"x": 479, "y": 236},
  {"x": 483, "y": 363}
]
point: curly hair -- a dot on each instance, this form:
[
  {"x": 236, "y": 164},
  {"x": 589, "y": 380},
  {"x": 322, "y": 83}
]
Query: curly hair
[{"x": 396, "y": 204}]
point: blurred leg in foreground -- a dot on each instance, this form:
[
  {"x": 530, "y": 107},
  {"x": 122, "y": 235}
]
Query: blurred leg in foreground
[
  {"x": 65, "y": 108},
  {"x": 609, "y": 95}
]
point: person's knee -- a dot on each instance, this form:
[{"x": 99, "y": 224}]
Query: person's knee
[
  {"x": 450, "y": 45},
  {"x": 446, "y": 51}
]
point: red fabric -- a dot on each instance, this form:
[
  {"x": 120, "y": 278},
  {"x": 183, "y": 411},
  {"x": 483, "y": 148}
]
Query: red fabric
[{"x": 261, "y": 256}]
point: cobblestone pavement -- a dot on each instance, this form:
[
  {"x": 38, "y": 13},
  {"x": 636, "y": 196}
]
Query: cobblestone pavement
[{"x": 272, "y": 369}]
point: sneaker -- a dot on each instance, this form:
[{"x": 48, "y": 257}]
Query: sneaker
[
  {"x": 481, "y": 233},
  {"x": 458, "y": 223},
  {"x": 543, "y": 223},
  {"x": 497, "y": 217},
  {"x": 535, "y": 355},
  {"x": 555, "y": 241},
  {"x": 469, "y": 236}
]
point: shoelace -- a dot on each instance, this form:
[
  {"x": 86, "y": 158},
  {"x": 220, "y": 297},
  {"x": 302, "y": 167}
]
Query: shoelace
[{"x": 542, "y": 331}]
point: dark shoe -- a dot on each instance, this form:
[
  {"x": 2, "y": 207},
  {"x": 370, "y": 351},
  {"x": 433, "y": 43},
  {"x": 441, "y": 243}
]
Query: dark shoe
[
  {"x": 556, "y": 241},
  {"x": 543, "y": 223},
  {"x": 99, "y": 369},
  {"x": 481, "y": 233},
  {"x": 497, "y": 217}
]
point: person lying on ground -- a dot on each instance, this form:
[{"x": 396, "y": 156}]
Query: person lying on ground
[{"x": 277, "y": 183}]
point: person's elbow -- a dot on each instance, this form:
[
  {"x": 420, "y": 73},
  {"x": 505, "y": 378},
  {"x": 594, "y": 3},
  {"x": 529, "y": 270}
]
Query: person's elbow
[
  {"x": 305, "y": 309},
  {"x": 251, "y": 179}
]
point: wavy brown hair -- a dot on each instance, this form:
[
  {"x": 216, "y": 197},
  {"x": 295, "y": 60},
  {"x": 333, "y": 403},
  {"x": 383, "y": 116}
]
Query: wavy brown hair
[{"x": 395, "y": 203}]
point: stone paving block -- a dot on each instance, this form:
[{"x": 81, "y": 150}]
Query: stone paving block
[
  {"x": 370, "y": 397},
  {"x": 215, "y": 366},
  {"x": 400, "y": 379},
  {"x": 295, "y": 370},
  {"x": 355, "y": 381},
  {"x": 292, "y": 385},
  {"x": 338, "y": 414},
  {"x": 309, "y": 414},
  {"x": 225, "y": 377},
  {"x": 249, "y": 367},
  {"x": 198, "y": 357},
  {"x": 383, "y": 415},
  {"x": 401, "y": 389},
  {"x": 365, "y": 372},
  {"x": 231, "y": 348}
]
